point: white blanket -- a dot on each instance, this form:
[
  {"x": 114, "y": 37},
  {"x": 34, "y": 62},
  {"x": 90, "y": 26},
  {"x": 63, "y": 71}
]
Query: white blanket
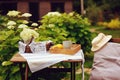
[
  {"x": 106, "y": 64},
  {"x": 40, "y": 61}
]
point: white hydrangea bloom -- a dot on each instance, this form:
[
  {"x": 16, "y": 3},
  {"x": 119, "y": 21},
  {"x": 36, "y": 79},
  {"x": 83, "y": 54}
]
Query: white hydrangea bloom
[
  {"x": 11, "y": 27},
  {"x": 53, "y": 14},
  {"x": 40, "y": 27},
  {"x": 71, "y": 13},
  {"x": 51, "y": 25},
  {"x": 22, "y": 26},
  {"x": 13, "y": 13},
  {"x": 35, "y": 28},
  {"x": 34, "y": 24},
  {"x": 27, "y": 34},
  {"x": 26, "y": 15},
  {"x": 25, "y": 22},
  {"x": 11, "y": 23}
]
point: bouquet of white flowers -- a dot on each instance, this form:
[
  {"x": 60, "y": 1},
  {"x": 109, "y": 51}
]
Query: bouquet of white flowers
[
  {"x": 28, "y": 36},
  {"x": 28, "y": 45}
]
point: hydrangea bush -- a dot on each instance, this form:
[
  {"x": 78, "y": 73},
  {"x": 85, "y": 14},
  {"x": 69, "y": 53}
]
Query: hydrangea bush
[
  {"x": 62, "y": 26},
  {"x": 11, "y": 25},
  {"x": 58, "y": 27}
]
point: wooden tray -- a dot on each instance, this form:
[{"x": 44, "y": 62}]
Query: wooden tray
[{"x": 74, "y": 48}]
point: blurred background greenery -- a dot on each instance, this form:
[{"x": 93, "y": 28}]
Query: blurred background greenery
[{"x": 103, "y": 16}]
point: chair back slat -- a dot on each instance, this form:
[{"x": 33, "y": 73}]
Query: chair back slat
[{"x": 117, "y": 40}]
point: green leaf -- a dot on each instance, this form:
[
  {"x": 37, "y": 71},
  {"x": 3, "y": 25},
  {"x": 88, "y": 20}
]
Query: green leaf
[{"x": 6, "y": 63}]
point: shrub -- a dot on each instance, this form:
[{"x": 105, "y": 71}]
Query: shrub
[
  {"x": 62, "y": 26},
  {"x": 10, "y": 27},
  {"x": 113, "y": 24}
]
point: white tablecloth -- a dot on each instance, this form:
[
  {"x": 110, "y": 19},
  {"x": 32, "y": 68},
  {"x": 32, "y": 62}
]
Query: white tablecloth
[{"x": 38, "y": 61}]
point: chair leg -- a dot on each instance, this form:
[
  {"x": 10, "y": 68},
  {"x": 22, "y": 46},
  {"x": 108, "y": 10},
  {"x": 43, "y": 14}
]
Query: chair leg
[{"x": 72, "y": 70}]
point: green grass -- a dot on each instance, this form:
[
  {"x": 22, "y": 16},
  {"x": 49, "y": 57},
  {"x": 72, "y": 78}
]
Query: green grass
[
  {"x": 114, "y": 32},
  {"x": 78, "y": 76}
]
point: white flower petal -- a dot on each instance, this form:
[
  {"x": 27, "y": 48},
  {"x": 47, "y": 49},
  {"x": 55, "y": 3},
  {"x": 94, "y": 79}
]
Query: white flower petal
[
  {"x": 53, "y": 14},
  {"x": 13, "y": 13},
  {"x": 22, "y": 26},
  {"x": 11, "y": 23},
  {"x": 34, "y": 24},
  {"x": 25, "y": 22},
  {"x": 27, "y": 34},
  {"x": 26, "y": 15},
  {"x": 11, "y": 27}
]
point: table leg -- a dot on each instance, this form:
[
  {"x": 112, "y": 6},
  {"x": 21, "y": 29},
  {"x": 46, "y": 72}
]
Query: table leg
[
  {"x": 21, "y": 71},
  {"x": 26, "y": 72},
  {"x": 72, "y": 70}
]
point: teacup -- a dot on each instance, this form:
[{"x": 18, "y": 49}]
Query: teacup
[{"x": 67, "y": 44}]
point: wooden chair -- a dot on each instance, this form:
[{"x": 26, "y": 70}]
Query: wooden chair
[
  {"x": 106, "y": 62},
  {"x": 117, "y": 40}
]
